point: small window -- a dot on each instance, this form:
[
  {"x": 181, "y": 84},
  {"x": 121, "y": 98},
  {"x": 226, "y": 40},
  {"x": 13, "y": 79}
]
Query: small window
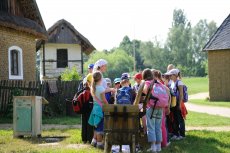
[
  {"x": 62, "y": 58},
  {"x": 15, "y": 63}
]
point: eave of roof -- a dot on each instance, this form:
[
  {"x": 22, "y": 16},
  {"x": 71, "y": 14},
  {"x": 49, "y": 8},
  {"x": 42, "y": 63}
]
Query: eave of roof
[
  {"x": 87, "y": 48},
  {"x": 221, "y": 38}
]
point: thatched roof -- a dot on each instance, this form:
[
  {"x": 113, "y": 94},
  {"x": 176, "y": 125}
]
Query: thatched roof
[
  {"x": 24, "y": 16},
  {"x": 64, "y": 32},
  {"x": 221, "y": 38}
]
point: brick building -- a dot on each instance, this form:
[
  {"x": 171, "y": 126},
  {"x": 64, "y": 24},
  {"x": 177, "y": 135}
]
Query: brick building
[
  {"x": 218, "y": 48},
  {"x": 21, "y": 25}
]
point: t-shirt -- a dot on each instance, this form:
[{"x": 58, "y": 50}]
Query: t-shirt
[
  {"x": 99, "y": 89},
  {"x": 104, "y": 83},
  {"x": 180, "y": 83}
]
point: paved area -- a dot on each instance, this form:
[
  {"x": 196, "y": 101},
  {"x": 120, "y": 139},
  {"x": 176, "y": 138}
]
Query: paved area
[{"x": 213, "y": 110}]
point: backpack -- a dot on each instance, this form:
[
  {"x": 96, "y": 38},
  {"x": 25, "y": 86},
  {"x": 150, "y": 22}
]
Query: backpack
[
  {"x": 159, "y": 92},
  {"x": 82, "y": 103},
  {"x": 124, "y": 95},
  {"x": 185, "y": 92}
]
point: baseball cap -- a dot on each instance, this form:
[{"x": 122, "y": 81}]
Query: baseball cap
[
  {"x": 125, "y": 76},
  {"x": 138, "y": 76},
  {"x": 117, "y": 80},
  {"x": 108, "y": 80},
  {"x": 172, "y": 72},
  {"x": 89, "y": 77},
  {"x": 90, "y": 66}
]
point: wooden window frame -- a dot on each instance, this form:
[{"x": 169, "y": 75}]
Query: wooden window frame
[
  {"x": 64, "y": 62},
  {"x": 15, "y": 61}
]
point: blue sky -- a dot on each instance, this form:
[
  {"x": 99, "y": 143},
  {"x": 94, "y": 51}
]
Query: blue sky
[{"x": 106, "y": 22}]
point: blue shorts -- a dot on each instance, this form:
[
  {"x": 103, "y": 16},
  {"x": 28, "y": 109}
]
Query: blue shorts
[{"x": 100, "y": 126}]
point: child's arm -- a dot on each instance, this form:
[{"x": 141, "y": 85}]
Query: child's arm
[{"x": 103, "y": 98}]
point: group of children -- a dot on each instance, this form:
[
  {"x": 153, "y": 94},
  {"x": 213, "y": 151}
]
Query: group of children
[{"x": 159, "y": 123}]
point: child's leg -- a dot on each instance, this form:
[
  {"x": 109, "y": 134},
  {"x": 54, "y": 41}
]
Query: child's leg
[
  {"x": 144, "y": 124},
  {"x": 94, "y": 140},
  {"x": 99, "y": 131},
  {"x": 158, "y": 128}
]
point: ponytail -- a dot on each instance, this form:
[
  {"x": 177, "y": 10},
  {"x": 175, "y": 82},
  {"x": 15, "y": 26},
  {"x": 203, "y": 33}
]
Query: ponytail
[{"x": 93, "y": 88}]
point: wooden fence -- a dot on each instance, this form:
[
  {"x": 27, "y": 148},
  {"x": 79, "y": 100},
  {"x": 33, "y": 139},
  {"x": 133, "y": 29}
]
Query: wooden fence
[{"x": 56, "y": 98}]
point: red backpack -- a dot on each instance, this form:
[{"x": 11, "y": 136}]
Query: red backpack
[{"x": 80, "y": 100}]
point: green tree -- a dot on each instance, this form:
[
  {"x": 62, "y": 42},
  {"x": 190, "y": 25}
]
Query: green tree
[
  {"x": 202, "y": 32},
  {"x": 118, "y": 62},
  {"x": 179, "y": 42},
  {"x": 130, "y": 47}
]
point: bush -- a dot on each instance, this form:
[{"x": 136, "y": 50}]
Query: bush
[{"x": 70, "y": 74}]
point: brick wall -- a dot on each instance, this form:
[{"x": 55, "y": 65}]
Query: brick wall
[
  {"x": 10, "y": 37},
  {"x": 219, "y": 75}
]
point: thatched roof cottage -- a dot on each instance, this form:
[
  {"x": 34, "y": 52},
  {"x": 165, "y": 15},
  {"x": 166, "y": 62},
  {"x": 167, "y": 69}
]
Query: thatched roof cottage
[
  {"x": 20, "y": 26},
  {"x": 218, "y": 48},
  {"x": 64, "y": 48}
]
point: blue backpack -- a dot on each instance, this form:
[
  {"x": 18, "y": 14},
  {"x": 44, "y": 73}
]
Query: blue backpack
[
  {"x": 185, "y": 92},
  {"x": 124, "y": 95}
]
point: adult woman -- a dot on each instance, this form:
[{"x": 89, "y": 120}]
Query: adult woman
[{"x": 101, "y": 65}]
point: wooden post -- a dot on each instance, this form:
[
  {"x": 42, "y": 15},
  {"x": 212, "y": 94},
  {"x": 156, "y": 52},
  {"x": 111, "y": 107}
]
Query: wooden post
[{"x": 43, "y": 61}]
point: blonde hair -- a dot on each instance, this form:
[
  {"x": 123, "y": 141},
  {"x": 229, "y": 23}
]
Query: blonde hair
[
  {"x": 123, "y": 82},
  {"x": 97, "y": 76}
]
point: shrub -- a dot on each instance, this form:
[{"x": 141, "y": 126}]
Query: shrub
[{"x": 70, "y": 74}]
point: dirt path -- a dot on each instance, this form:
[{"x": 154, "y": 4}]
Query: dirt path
[
  {"x": 202, "y": 95},
  {"x": 213, "y": 110}
]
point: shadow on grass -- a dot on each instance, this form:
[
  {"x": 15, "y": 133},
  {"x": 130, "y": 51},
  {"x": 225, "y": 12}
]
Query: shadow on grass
[{"x": 45, "y": 139}]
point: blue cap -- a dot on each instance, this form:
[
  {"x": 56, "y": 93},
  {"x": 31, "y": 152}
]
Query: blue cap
[
  {"x": 125, "y": 76},
  {"x": 116, "y": 80},
  {"x": 90, "y": 66}
]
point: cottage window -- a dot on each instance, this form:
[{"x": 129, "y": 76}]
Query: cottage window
[
  {"x": 62, "y": 58},
  {"x": 15, "y": 63}
]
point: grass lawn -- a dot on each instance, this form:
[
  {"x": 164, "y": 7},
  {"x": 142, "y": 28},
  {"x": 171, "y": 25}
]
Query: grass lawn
[
  {"x": 203, "y": 119},
  {"x": 196, "y": 84},
  {"x": 210, "y": 103},
  {"x": 196, "y": 141},
  {"x": 64, "y": 120}
]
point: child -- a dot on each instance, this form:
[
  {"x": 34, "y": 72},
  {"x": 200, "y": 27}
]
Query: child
[
  {"x": 96, "y": 116},
  {"x": 125, "y": 95},
  {"x": 154, "y": 132},
  {"x": 108, "y": 95}
]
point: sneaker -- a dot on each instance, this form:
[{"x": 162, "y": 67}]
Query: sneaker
[
  {"x": 168, "y": 144},
  {"x": 94, "y": 144},
  {"x": 151, "y": 150},
  {"x": 181, "y": 137},
  {"x": 158, "y": 147},
  {"x": 100, "y": 147},
  {"x": 174, "y": 137}
]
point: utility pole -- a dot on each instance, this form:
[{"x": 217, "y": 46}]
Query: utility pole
[
  {"x": 134, "y": 57},
  {"x": 134, "y": 52}
]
